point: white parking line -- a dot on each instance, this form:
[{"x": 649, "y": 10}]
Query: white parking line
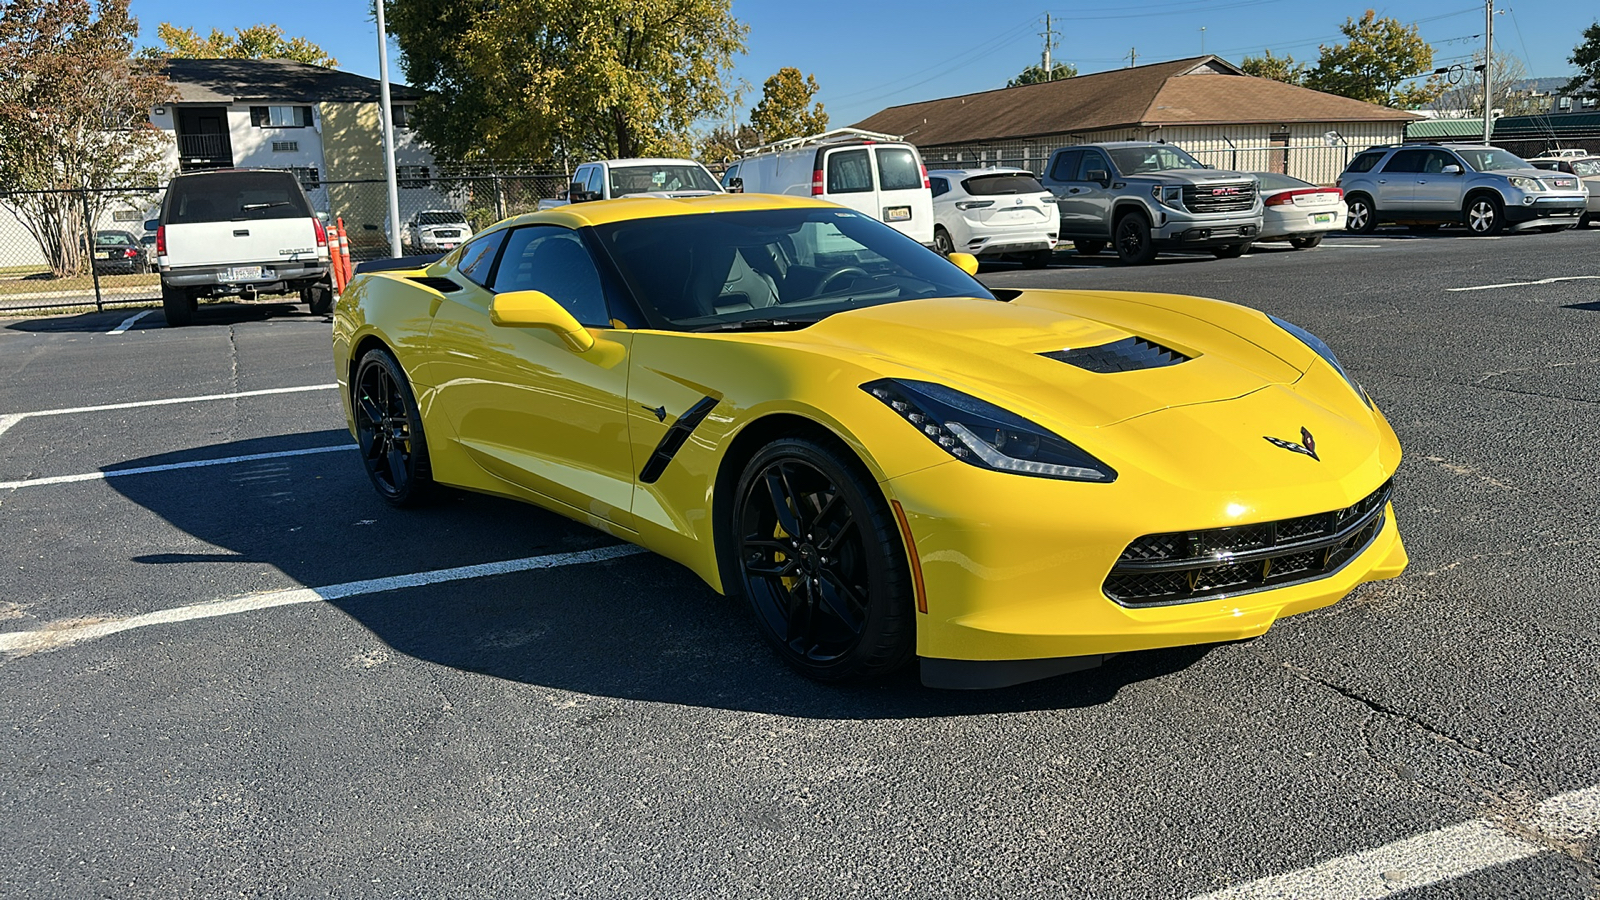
[
  {"x": 24, "y": 642},
  {"x": 1430, "y": 858},
  {"x": 146, "y": 470},
  {"x": 1490, "y": 287},
  {"x": 10, "y": 419},
  {"x": 128, "y": 322},
  {"x": 1344, "y": 246}
]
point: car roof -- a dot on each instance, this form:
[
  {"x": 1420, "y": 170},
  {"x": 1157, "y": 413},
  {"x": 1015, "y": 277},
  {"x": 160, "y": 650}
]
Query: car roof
[
  {"x": 992, "y": 170},
  {"x": 603, "y": 212},
  {"x": 648, "y": 161}
]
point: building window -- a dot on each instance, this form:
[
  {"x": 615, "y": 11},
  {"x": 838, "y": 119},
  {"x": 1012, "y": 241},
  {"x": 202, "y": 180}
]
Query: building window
[
  {"x": 280, "y": 116},
  {"x": 1589, "y": 102},
  {"x": 310, "y": 179},
  {"x": 401, "y": 115},
  {"x": 1564, "y": 104},
  {"x": 411, "y": 176},
  {"x": 127, "y": 215}
]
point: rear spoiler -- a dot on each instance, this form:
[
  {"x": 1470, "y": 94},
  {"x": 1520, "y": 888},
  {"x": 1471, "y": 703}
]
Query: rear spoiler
[{"x": 398, "y": 262}]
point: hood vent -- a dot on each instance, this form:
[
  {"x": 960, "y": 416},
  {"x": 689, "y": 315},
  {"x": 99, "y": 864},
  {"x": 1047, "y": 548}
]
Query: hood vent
[
  {"x": 442, "y": 285},
  {"x": 1126, "y": 355}
]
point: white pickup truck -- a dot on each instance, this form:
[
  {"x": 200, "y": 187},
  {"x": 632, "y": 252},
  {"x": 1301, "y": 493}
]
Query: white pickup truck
[
  {"x": 239, "y": 231},
  {"x": 611, "y": 178}
]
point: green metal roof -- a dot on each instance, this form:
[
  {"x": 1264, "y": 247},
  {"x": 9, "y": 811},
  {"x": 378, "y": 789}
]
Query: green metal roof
[
  {"x": 1558, "y": 125},
  {"x": 1433, "y": 129}
]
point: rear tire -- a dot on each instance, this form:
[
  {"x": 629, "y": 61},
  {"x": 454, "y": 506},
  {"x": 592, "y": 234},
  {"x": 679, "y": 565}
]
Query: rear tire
[
  {"x": 941, "y": 241},
  {"x": 1362, "y": 216},
  {"x": 1134, "y": 246},
  {"x": 1038, "y": 259},
  {"x": 1305, "y": 243},
  {"x": 1230, "y": 251},
  {"x": 1088, "y": 248},
  {"x": 319, "y": 297},
  {"x": 178, "y": 305}
]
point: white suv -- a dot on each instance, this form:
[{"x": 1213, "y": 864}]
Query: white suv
[{"x": 994, "y": 212}]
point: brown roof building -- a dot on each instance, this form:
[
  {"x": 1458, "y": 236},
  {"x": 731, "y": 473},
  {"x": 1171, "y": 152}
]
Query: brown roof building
[{"x": 1204, "y": 104}]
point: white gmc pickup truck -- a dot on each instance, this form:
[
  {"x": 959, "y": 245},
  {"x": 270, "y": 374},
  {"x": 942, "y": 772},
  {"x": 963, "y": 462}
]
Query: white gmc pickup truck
[
  {"x": 610, "y": 178},
  {"x": 239, "y": 231}
]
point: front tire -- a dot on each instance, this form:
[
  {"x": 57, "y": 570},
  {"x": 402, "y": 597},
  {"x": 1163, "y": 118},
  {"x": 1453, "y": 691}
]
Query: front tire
[
  {"x": 394, "y": 450},
  {"x": 1134, "y": 246},
  {"x": 815, "y": 550},
  {"x": 1305, "y": 243},
  {"x": 941, "y": 241},
  {"x": 178, "y": 305},
  {"x": 1361, "y": 215},
  {"x": 1485, "y": 215}
]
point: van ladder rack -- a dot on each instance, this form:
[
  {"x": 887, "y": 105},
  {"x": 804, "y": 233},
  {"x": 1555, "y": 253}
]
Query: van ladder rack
[{"x": 837, "y": 135}]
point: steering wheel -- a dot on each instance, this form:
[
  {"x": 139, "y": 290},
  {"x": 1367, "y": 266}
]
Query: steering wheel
[{"x": 828, "y": 279}]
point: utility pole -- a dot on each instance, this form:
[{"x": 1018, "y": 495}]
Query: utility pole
[
  {"x": 1132, "y": 57},
  {"x": 386, "y": 118},
  {"x": 1488, "y": 60},
  {"x": 1049, "y": 44},
  {"x": 1202, "y": 40}
]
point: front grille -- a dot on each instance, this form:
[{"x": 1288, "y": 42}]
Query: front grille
[
  {"x": 1127, "y": 355},
  {"x": 1216, "y": 198},
  {"x": 1186, "y": 566}
]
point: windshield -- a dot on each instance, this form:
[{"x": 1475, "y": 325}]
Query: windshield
[
  {"x": 113, "y": 238},
  {"x": 1586, "y": 167},
  {"x": 1491, "y": 159},
  {"x": 1160, "y": 158},
  {"x": 643, "y": 179},
  {"x": 441, "y": 218},
  {"x": 761, "y": 266},
  {"x": 234, "y": 197},
  {"x": 1002, "y": 183}
]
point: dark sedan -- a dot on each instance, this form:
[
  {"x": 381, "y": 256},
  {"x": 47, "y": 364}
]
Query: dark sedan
[{"x": 119, "y": 253}]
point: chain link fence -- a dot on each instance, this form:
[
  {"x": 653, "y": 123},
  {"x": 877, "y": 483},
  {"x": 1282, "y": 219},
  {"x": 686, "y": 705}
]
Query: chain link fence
[{"x": 90, "y": 248}]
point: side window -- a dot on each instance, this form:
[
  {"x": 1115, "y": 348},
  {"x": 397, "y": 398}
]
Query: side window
[
  {"x": 1365, "y": 162},
  {"x": 1437, "y": 160},
  {"x": 939, "y": 185},
  {"x": 1093, "y": 160},
  {"x": 477, "y": 257},
  {"x": 1406, "y": 161},
  {"x": 597, "y": 180},
  {"x": 581, "y": 176},
  {"x": 1065, "y": 167},
  {"x": 553, "y": 260},
  {"x": 898, "y": 169},
  {"x": 849, "y": 172}
]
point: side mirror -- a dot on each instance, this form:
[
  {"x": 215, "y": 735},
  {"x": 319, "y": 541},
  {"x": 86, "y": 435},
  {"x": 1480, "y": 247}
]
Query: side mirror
[
  {"x": 966, "y": 262},
  {"x": 152, "y": 224},
  {"x": 574, "y": 190},
  {"x": 1451, "y": 170},
  {"x": 535, "y": 309},
  {"x": 736, "y": 185},
  {"x": 1100, "y": 176}
]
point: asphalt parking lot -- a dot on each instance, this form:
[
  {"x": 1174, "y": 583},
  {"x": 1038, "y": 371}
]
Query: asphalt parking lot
[{"x": 481, "y": 699}]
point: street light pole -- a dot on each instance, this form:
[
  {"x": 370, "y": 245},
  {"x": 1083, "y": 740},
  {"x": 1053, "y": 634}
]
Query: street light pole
[
  {"x": 387, "y": 119},
  {"x": 1488, "y": 62}
]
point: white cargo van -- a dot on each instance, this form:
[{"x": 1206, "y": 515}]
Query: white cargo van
[{"x": 875, "y": 174}]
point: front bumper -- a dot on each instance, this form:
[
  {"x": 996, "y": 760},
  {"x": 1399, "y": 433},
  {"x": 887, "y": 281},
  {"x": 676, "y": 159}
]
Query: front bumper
[
  {"x": 1546, "y": 210},
  {"x": 1014, "y": 568},
  {"x": 1178, "y": 230}
]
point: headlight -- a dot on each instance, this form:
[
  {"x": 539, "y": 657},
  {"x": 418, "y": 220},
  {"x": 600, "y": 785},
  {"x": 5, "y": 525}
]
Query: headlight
[
  {"x": 984, "y": 435},
  {"x": 1525, "y": 183},
  {"x": 1323, "y": 350},
  {"x": 1168, "y": 195}
]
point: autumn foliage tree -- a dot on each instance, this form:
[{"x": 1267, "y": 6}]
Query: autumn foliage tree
[
  {"x": 786, "y": 110},
  {"x": 74, "y": 119},
  {"x": 550, "y": 80},
  {"x": 1278, "y": 68},
  {"x": 1375, "y": 64},
  {"x": 256, "y": 42}
]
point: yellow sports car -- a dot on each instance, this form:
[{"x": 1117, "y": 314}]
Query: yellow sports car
[{"x": 884, "y": 457}]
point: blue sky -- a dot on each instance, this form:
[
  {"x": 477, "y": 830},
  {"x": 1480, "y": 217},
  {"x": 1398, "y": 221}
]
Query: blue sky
[{"x": 869, "y": 55}]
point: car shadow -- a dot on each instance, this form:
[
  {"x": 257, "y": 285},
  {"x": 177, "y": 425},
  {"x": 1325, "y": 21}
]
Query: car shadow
[
  {"x": 637, "y": 627},
  {"x": 206, "y": 315}
]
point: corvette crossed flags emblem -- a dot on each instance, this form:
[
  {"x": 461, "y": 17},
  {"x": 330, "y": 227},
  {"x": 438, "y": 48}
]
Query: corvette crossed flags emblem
[{"x": 1307, "y": 445}]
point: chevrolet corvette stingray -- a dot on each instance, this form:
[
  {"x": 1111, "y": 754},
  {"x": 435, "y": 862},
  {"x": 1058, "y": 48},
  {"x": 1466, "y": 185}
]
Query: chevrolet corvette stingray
[{"x": 883, "y": 457}]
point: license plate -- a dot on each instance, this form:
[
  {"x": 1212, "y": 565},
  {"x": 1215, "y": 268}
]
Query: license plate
[
  {"x": 1322, "y": 218},
  {"x": 447, "y": 245},
  {"x": 244, "y": 273},
  {"x": 897, "y": 213},
  {"x": 104, "y": 254}
]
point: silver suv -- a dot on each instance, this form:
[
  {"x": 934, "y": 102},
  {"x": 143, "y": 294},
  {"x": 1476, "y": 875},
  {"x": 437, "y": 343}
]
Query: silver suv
[
  {"x": 1144, "y": 197},
  {"x": 1483, "y": 187}
]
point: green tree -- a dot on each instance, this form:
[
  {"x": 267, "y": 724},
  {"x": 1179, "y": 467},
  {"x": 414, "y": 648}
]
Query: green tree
[
  {"x": 74, "y": 116},
  {"x": 1586, "y": 56},
  {"x": 256, "y": 42},
  {"x": 1035, "y": 74},
  {"x": 1278, "y": 68},
  {"x": 1381, "y": 55},
  {"x": 552, "y": 79},
  {"x": 785, "y": 110},
  {"x": 724, "y": 144}
]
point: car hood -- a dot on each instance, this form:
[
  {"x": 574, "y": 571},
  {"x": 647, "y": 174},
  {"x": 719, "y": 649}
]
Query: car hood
[
  {"x": 1200, "y": 177},
  {"x": 995, "y": 350}
]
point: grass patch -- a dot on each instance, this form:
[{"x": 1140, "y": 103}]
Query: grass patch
[{"x": 75, "y": 284}]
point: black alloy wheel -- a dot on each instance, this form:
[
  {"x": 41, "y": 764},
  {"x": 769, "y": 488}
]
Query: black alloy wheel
[
  {"x": 1484, "y": 215},
  {"x": 821, "y": 562},
  {"x": 389, "y": 430},
  {"x": 1305, "y": 243},
  {"x": 1134, "y": 246},
  {"x": 1089, "y": 248},
  {"x": 1362, "y": 216},
  {"x": 942, "y": 242}
]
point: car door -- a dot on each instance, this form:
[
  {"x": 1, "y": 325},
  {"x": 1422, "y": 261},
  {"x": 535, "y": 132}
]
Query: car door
[
  {"x": 1437, "y": 192},
  {"x": 1086, "y": 203},
  {"x": 1396, "y": 182},
  {"x": 1063, "y": 170},
  {"x": 848, "y": 180},
  {"x": 529, "y": 410},
  {"x": 904, "y": 201}
]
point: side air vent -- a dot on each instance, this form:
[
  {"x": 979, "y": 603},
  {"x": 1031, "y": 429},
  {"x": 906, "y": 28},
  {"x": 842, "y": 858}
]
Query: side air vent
[
  {"x": 442, "y": 285},
  {"x": 1126, "y": 355}
]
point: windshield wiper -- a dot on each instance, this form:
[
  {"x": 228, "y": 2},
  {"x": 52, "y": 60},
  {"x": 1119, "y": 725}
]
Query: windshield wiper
[
  {"x": 251, "y": 207},
  {"x": 759, "y": 325}
]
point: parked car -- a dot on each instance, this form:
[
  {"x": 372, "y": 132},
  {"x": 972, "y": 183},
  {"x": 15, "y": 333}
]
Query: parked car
[
  {"x": 1587, "y": 169},
  {"x": 1298, "y": 211},
  {"x": 611, "y": 178},
  {"x": 433, "y": 231},
  {"x": 877, "y": 175},
  {"x": 239, "y": 231},
  {"x": 994, "y": 213},
  {"x": 1485, "y": 188},
  {"x": 119, "y": 253},
  {"x": 1143, "y": 198},
  {"x": 844, "y": 430},
  {"x": 147, "y": 242}
]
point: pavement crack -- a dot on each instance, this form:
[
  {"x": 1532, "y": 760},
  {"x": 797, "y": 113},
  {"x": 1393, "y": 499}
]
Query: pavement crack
[{"x": 1593, "y": 401}]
